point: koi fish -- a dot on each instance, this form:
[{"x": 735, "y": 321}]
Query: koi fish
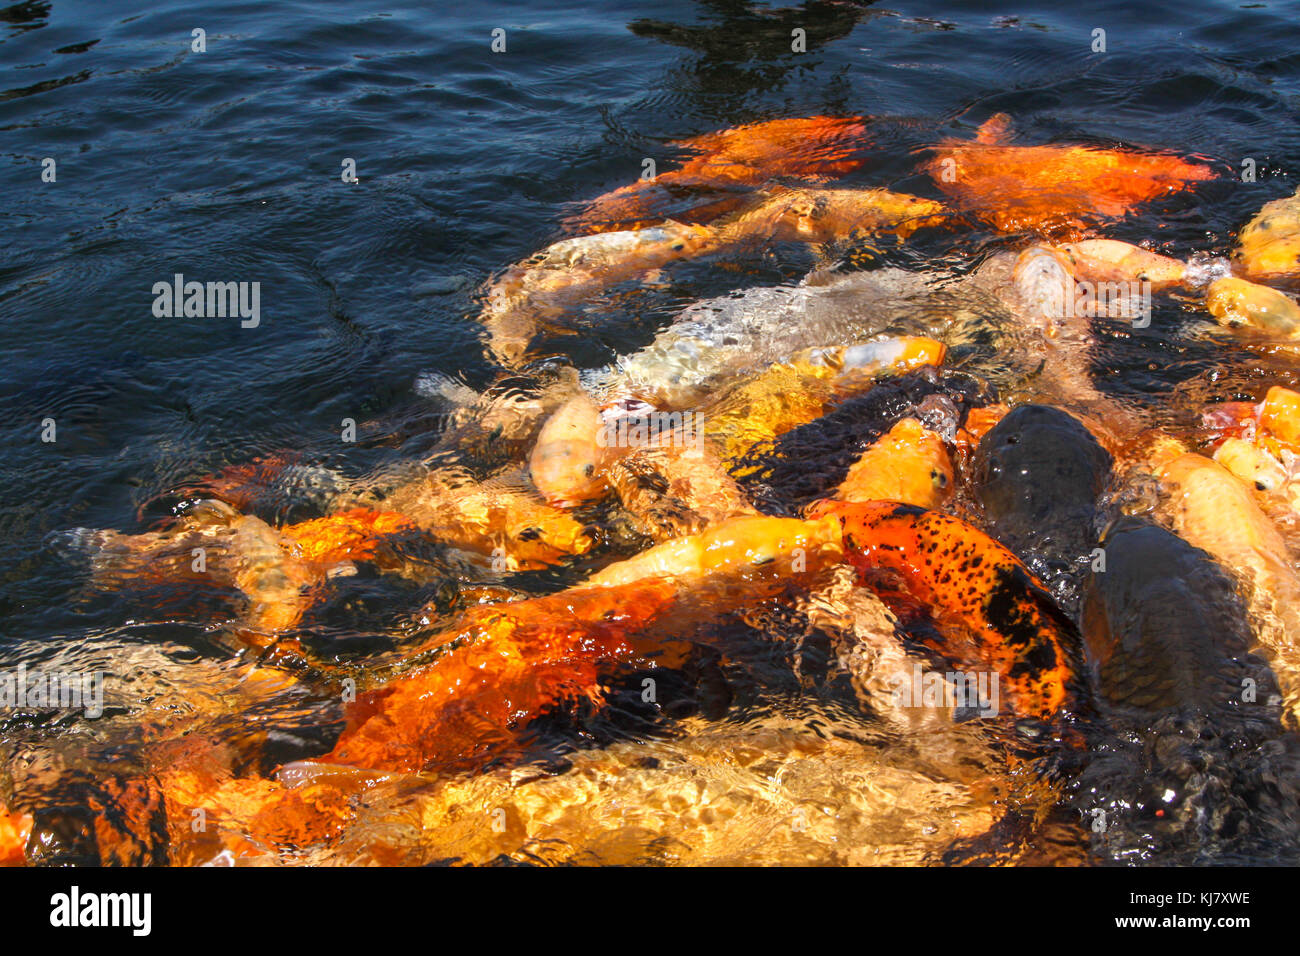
[
  {"x": 1269, "y": 245},
  {"x": 572, "y": 458},
  {"x": 728, "y": 160},
  {"x": 502, "y": 517},
  {"x": 545, "y": 287},
  {"x": 351, "y": 535},
  {"x": 15, "y": 828},
  {"x": 1168, "y": 642},
  {"x": 671, "y": 490},
  {"x": 979, "y": 422},
  {"x": 965, "y": 577},
  {"x": 508, "y": 660},
  {"x": 1236, "y": 302},
  {"x": 786, "y": 546},
  {"x": 817, "y": 215},
  {"x": 569, "y": 462},
  {"x": 1279, "y": 417},
  {"x": 802, "y": 146},
  {"x": 1160, "y": 625},
  {"x": 1251, "y": 464},
  {"x": 281, "y": 572},
  {"x": 1038, "y": 475},
  {"x": 1270, "y": 429},
  {"x": 1046, "y": 293},
  {"x": 213, "y": 543},
  {"x": 501, "y": 663},
  {"x": 908, "y": 464},
  {"x": 564, "y": 275},
  {"x": 779, "y": 478},
  {"x": 714, "y": 341},
  {"x": 1052, "y": 189},
  {"x": 789, "y": 394},
  {"x": 1109, "y": 260},
  {"x": 461, "y": 697},
  {"x": 1213, "y": 510}
]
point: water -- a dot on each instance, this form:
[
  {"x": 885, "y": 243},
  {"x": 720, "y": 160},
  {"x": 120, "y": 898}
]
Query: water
[{"x": 225, "y": 165}]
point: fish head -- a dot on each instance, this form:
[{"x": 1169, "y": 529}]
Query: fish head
[
  {"x": 1251, "y": 464},
  {"x": 541, "y": 536},
  {"x": 1236, "y": 302},
  {"x": 568, "y": 462},
  {"x": 1045, "y": 283},
  {"x": 685, "y": 241},
  {"x": 1269, "y": 245},
  {"x": 826, "y": 215},
  {"x": 1112, "y": 260}
]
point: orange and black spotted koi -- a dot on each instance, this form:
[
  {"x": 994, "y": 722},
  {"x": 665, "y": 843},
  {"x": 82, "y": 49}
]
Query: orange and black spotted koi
[{"x": 964, "y": 577}]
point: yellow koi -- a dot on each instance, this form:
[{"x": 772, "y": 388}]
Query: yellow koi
[
  {"x": 1269, "y": 245},
  {"x": 1109, "y": 260},
  {"x": 1214, "y": 511},
  {"x": 908, "y": 464},
  {"x": 1236, "y": 302},
  {"x": 783, "y": 547}
]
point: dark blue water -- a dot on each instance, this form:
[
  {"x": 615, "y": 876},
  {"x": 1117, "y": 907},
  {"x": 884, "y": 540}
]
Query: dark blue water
[{"x": 225, "y": 165}]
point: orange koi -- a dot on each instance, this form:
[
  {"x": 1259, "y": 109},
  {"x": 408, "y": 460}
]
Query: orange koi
[
  {"x": 351, "y": 535},
  {"x": 829, "y": 215},
  {"x": 1279, "y": 417},
  {"x": 1251, "y": 464},
  {"x": 1257, "y": 443},
  {"x": 789, "y": 394},
  {"x": 502, "y": 664},
  {"x": 462, "y": 698},
  {"x": 908, "y": 464},
  {"x": 746, "y": 156},
  {"x": 569, "y": 461},
  {"x": 15, "y": 829},
  {"x": 1052, "y": 189},
  {"x": 965, "y": 577},
  {"x": 979, "y": 422},
  {"x": 785, "y": 547},
  {"x": 216, "y": 544},
  {"x": 1215, "y": 511},
  {"x": 501, "y": 517}
]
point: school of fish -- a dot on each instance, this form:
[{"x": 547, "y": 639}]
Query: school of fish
[{"x": 914, "y": 463}]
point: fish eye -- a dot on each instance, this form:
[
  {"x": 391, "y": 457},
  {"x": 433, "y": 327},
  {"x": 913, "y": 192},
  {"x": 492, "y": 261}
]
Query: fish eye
[
  {"x": 530, "y": 534},
  {"x": 589, "y": 470},
  {"x": 940, "y": 479},
  {"x": 678, "y": 247}
]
